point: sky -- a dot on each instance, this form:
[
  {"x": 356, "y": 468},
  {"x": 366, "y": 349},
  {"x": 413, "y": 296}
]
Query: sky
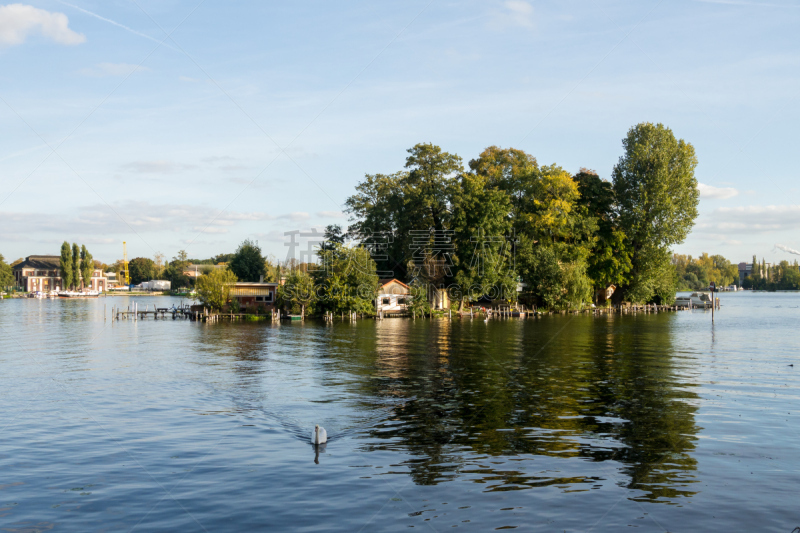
[{"x": 193, "y": 125}]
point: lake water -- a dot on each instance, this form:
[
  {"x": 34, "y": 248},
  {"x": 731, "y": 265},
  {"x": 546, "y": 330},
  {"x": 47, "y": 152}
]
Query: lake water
[{"x": 662, "y": 422}]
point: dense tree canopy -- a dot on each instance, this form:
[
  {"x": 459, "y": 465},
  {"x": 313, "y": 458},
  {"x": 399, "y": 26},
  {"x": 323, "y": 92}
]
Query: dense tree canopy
[
  {"x": 6, "y": 274},
  {"x": 141, "y": 269},
  {"x": 213, "y": 289},
  {"x": 562, "y": 236},
  {"x": 248, "y": 263}
]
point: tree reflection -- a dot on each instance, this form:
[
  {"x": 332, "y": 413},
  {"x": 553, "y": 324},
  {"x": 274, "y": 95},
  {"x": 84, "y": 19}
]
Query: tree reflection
[{"x": 602, "y": 389}]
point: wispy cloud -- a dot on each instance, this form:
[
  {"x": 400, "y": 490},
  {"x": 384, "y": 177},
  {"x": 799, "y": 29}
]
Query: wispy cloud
[
  {"x": 297, "y": 216},
  {"x": 752, "y": 220},
  {"x": 514, "y": 13},
  {"x": 160, "y": 166},
  {"x": 17, "y": 21},
  {"x": 112, "y": 69},
  {"x": 716, "y": 193},
  {"x": 115, "y": 23}
]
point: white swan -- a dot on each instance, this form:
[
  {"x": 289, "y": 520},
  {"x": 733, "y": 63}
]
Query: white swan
[{"x": 319, "y": 435}]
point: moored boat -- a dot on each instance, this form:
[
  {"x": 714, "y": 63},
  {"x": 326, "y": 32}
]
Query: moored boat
[{"x": 697, "y": 300}]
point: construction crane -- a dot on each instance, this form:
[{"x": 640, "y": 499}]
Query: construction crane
[{"x": 125, "y": 273}]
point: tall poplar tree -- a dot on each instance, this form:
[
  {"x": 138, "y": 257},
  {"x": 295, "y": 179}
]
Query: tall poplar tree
[
  {"x": 87, "y": 266},
  {"x": 66, "y": 266},
  {"x": 657, "y": 197},
  {"x": 76, "y": 266}
]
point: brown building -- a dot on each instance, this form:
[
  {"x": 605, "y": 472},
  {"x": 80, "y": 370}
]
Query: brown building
[
  {"x": 43, "y": 273},
  {"x": 254, "y": 295}
]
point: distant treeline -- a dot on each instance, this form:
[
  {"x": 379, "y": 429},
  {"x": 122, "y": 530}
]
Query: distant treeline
[{"x": 781, "y": 277}]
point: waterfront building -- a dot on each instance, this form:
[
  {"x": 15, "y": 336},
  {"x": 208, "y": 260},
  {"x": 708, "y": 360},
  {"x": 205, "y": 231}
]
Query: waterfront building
[
  {"x": 43, "y": 273},
  {"x": 393, "y": 297},
  {"x": 252, "y": 295}
]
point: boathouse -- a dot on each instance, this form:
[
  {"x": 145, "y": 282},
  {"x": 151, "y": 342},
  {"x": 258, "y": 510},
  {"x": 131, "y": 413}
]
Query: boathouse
[
  {"x": 254, "y": 295},
  {"x": 393, "y": 297},
  {"x": 43, "y": 273}
]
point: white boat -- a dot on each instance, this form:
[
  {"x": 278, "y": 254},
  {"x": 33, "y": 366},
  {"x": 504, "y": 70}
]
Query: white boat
[
  {"x": 697, "y": 300},
  {"x": 76, "y": 294}
]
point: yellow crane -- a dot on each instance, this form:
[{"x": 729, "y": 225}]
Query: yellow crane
[{"x": 125, "y": 273}]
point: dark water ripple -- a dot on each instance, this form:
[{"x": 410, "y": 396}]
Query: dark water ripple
[{"x": 660, "y": 422}]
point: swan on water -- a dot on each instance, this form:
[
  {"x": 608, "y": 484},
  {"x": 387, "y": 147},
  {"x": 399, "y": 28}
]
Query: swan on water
[{"x": 319, "y": 435}]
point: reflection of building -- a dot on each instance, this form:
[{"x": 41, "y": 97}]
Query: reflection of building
[
  {"x": 254, "y": 295},
  {"x": 43, "y": 273},
  {"x": 393, "y": 296}
]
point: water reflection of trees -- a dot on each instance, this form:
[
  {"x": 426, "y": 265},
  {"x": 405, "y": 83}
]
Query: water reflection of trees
[{"x": 598, "y": 389}]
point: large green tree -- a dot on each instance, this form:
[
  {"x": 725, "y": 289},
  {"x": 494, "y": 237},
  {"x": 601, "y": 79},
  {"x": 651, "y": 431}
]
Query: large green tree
[
  {"x": 482, "y": 225},
  {"x": 656, "y": 194},
  {"x": 248, "y": 263},
  {"x": 66, "y": 268},
  {"x": 213, "y": 289},
  {"x": 297, "y": 295},
  {"x": 141, "y": 269},
  {"x": 6, "y": 273},
  {"x": 87, "y": 266},
  {"x": 609, "y": 258},
  {"x": 76, "y": 266},
  {"x": 348, "y": 281},
  {"x": 390, "y": 211}
]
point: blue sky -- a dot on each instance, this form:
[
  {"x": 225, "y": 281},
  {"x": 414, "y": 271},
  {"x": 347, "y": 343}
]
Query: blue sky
[{"x": 194, "y": 125}]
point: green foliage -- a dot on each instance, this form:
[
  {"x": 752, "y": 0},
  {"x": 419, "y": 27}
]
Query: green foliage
[
  {"x": 297, "y": 294},
  {"x": 66, "y": 266},
  {"x": 347, "y": 281},
  {"x": 174, "y": 271},
  {"x": 781, "y": 277},
  {"x": 481, "y": 225},
  {"x": 247, "y": 263},
  {"x": 141, "y": 269},
  {"x": 333, "y": 236},
  {"x": 610, "y": 256},
  {"x": 213, "y": 289},
  {"x": 656, "y": 194},
  {"x": 87, "y": 266},
  {"x": 562, "y": 236},
  {"x": 76, "y": 266},
  {"x": 698, "y": 273},
  {"x": 6, "y": 273}
]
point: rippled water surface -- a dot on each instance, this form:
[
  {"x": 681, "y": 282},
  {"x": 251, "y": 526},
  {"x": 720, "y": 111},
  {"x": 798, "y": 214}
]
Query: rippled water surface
[{"x": 663, "y": 422}]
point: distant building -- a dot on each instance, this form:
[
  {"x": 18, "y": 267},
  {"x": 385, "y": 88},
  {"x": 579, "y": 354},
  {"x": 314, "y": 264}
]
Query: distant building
[
  {"x": 155, "y": 285},
  {"x": 746, "y": 269},
  {"x": 43, "y": 273},
  {"x": 195, "y": 271}
]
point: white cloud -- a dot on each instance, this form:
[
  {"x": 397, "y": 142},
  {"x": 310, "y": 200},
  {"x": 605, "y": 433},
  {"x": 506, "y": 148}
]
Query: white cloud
[
  {"x": 297, "y": 216},
  {"x": 17, "y": 21},
  {"x": 330, "y": 214},
  {"x": 514, "y": 13},
  {"x": 112, "y": 69},
  {"x": 716, "y": 193},
  {"x": 753, "y": 219}
]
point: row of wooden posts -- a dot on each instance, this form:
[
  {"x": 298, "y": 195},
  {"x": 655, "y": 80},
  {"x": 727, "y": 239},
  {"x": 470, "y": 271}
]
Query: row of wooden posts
[{"x": 133, "y": 312}]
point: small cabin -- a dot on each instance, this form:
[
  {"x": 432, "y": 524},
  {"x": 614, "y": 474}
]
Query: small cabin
[
  {"x": 393, "y": 297},
  {"x": 254, "y": 295}
]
